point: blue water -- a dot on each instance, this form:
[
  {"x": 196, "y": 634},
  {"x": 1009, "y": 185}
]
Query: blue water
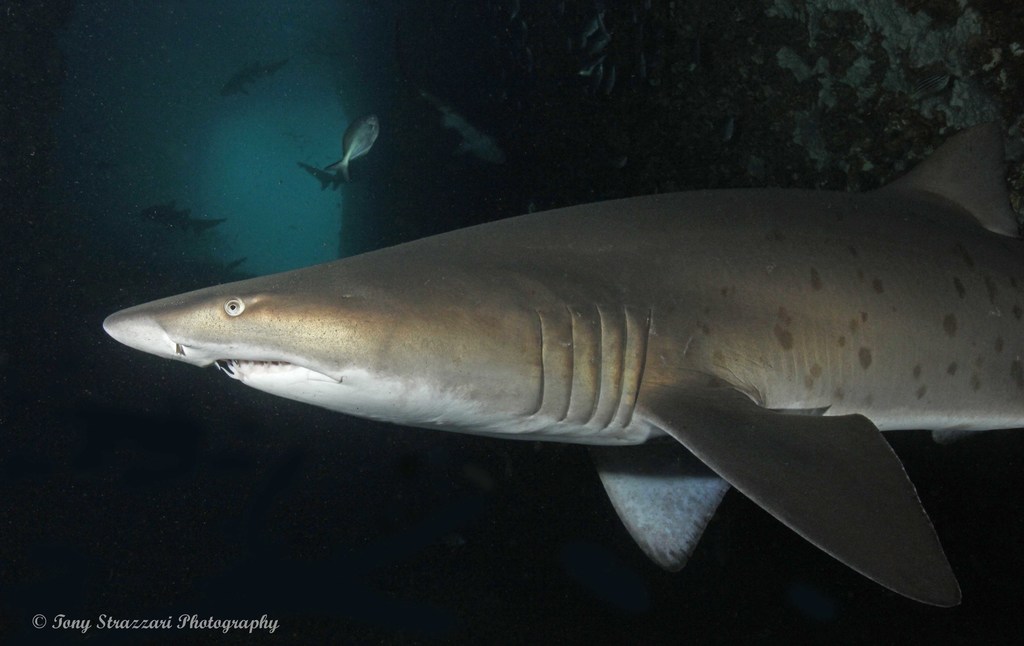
[{"x": 144, "y": 123}]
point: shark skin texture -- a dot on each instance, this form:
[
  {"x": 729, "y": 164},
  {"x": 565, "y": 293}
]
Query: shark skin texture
[{"x": 758, "y": 339}]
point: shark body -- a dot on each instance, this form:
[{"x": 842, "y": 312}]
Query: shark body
[
  {"x": 753, "y": 338},
  {"x": 472, "y": 141},
  {"x": 170, "y": 216},
  {"x": 241, "y": 80},
  {"x": 326, "y": 178}
]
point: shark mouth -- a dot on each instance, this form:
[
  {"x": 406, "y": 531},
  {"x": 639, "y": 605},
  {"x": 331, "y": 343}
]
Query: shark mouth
[
  {"x": 240, "y": 368},
  {"x": 253, "y": 371}
]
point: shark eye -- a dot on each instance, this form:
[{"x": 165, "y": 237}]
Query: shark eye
[{"x": 234, "y": 307}]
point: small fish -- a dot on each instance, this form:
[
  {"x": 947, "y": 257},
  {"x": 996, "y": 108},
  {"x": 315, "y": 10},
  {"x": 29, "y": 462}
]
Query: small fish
[
  {"x": 234, "y": 264},
  {"x": 590, "y": 67},
  {"x": 474, "y": 141},
  {"x": 358, "y": 140},
  {"x": 334, "y": 180},
  {"x": 591, "y": 27},
  {"x": 240, "y": 80},
  {"x": 729, "y": 129},
  {"x": 598, "y": 43},
  {"x": 595, "y": 80},
  {"x": 609, "y": 81},
  {"x": 171, "y": 216},
  {"x": 930, "y": 85}
]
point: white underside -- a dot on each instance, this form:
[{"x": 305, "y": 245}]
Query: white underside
[
  {"x": 412, "y": 403},
  {"x": 910, "y": 420}
]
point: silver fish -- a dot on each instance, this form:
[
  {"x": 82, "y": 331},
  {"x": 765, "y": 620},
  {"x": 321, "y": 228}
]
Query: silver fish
[{"x": 357, "y": 141}]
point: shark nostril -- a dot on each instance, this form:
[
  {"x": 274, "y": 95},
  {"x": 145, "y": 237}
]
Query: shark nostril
[{"x": 179, "y": 350}]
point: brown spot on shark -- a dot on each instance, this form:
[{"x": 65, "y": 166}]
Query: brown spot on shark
[
  {"x": 1017, "y": 312},
  {"x": 841, "y": 341},
  {"x": 864, "y": 354},
  {"x": 917, "y": 371},
  {"x": 999, "y": 344},
  {"x": 815, "y": 280},
  {"x": 975, "y": 382},
  {"x": 961, "y": 291},
  {"x": 877, "y": 285},
  {"x": 968, "y": 260},
  {"x": 1017, "y": 372},
  {"x": 921, "y": 391},
  {"x": 784, "y": 336},
  {"x": 949, "y": 324},
  {"x": 951, "y": 369},
  {"x": 990, "y": 287}
]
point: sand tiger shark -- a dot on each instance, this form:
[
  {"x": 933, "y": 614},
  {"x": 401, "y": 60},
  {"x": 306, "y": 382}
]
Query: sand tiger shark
[
  {"x": 241, "y": 80},
  {"x": 754, "y": 338}
]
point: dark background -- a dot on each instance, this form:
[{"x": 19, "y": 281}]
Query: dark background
[{"x": 144, "y": 489}]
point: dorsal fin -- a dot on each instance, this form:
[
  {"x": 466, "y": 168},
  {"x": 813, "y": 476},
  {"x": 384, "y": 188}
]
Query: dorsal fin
[{"x": 969, "y": 171}]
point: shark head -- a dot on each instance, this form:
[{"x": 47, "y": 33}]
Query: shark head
[
  {"x": 241, "y": 330},
  {"x": 362, "y": 345}
]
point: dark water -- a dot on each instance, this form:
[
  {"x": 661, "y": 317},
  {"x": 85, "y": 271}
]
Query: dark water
[{"x": 143, "y": 489}]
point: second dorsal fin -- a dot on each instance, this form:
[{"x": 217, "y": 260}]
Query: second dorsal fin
[{"x": 969, "y": 170}]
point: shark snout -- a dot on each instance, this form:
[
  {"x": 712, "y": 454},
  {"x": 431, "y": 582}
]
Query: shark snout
[{"x": 139, "y": 331}]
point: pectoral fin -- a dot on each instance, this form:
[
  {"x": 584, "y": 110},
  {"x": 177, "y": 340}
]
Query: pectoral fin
[
  {"x": 663, "y": 494},
  {"x": 833, "y": 480}
]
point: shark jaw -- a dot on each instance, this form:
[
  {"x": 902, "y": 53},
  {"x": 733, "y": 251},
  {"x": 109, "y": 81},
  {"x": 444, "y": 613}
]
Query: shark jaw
[{"x": 246, "y": 363}]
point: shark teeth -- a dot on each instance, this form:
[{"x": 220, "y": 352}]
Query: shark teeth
[{"x": 235, "y": 367}]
